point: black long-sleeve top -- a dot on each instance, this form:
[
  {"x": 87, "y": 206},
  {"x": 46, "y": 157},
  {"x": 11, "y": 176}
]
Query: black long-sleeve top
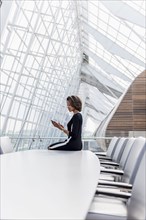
[
  {"x": 74, "y": 141},
  {"x": 74, "y": 127}
]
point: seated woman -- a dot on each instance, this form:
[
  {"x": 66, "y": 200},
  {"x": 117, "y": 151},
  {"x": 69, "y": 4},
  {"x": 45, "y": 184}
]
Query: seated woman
[{"x": 74, "y": 127}]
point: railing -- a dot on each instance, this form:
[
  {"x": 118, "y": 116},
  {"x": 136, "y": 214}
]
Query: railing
[{"x": 89, "y": 143}]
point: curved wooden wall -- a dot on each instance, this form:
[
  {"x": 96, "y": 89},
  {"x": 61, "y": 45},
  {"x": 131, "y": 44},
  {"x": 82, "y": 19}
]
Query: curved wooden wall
[{"x": 130, "y": 117}]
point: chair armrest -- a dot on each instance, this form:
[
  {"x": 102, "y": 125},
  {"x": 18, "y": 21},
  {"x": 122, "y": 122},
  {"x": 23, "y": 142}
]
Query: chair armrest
[
  {"x": 104, "y": 158},
  {"x": 100, "y": 153},
  {"x": 123, "y": 195},
  {"x": 109, "y": 163},
  {"x": 115, "y": 184},
  {"x": 112, "y": 171}
]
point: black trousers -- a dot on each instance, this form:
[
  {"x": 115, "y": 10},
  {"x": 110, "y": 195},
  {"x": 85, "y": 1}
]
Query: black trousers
[{"x": 67, "y": 145}]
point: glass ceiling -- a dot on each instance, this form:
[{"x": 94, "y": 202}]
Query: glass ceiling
[
  {"x": 113, "y": 38},
  {"x": 53, "y": 49}
]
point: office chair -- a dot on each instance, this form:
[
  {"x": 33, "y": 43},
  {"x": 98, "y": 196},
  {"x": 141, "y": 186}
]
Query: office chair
[
  {"x": 5, "y": 145},
  {"x": 107, "y": 208},
  {"x": 120, "y": 145},
  {"x": 120, "y": 160},
  {"x": 110, "y": 150}
]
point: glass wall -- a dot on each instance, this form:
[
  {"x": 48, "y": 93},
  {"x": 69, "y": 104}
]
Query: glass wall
[
  {"x": 40, "y": 66},
  {"x": 51, "y": 49}
]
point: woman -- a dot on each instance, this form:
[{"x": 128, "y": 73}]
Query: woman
[{"x": 74, "y": 127}]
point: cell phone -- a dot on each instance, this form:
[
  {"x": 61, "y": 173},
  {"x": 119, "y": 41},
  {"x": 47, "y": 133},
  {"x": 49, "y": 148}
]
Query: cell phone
[{"x": 54, "y": 122}]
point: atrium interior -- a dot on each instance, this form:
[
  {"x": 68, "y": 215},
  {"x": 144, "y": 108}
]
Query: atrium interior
[
  {"x": 73, "y": 109},
  {"x": 53, "y": 49}
]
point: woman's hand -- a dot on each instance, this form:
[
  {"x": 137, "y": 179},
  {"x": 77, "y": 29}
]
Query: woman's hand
[
  {"x": 61, "y": 127},
  {"x": 57, "y": 125},
  {"x": 54, "y": 123}
]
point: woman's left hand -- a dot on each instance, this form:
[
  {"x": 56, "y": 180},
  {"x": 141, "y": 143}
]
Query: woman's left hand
[{"x": 61, "y": 127}]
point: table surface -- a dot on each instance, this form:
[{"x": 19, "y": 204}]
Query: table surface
[{"x": 42, "y": 184}]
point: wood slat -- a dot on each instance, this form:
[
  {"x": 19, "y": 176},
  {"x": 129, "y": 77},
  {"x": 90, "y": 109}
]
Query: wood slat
[{"x": 131, "y": 113}]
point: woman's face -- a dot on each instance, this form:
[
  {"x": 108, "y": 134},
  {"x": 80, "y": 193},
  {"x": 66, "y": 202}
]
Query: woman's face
[{"x": 70, "y": 107}]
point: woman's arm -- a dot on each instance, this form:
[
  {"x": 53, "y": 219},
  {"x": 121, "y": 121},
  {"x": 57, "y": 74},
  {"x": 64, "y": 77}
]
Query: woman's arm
[
  {"x": 65, "y": 131},
  {"x": 75, "y": 127}
]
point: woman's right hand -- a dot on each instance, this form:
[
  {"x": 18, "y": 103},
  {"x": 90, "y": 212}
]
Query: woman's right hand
[
  {"x": 54, "y": 123},
  {"x": 57, "y": 125},
  {"x": 61, "y": 127}
]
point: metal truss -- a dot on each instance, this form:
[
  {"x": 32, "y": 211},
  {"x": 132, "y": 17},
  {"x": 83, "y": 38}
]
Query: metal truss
[{"x": 43, "y": 50}]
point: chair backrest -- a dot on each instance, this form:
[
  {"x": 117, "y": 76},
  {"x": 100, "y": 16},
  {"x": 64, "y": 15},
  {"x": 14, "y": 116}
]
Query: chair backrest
[
  {"x": 5, "y": 145},
  {"x": 112, "y": 146},
  {"x": 133, "y": 160},
  {"x": 126, "y": 151},
  {"x": 119, "y": 149},
  {"x": 137, "y": 203}
]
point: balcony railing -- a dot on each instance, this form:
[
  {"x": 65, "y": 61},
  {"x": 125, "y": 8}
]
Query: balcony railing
[{"x": 89, "y": 143}]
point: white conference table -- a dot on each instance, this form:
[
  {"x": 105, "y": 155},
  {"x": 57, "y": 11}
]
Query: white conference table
[{"x": 42, "y": 184}]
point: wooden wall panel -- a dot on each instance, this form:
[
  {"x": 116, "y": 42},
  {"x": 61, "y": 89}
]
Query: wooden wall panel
[{"x": 131, "y": 113}]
